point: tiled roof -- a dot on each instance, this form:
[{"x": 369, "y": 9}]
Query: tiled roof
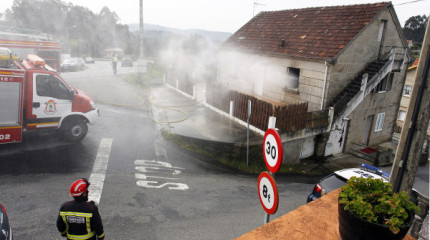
[
  {"x": 415, "y": 64},
  {"x": 319, "y": 32}
]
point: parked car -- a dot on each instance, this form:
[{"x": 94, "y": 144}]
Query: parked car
[
  {"x": 81, "y": 63},
  {"x": 70, "y": 65},
  {"x": 339, "y": 178},
  {"x": 6, "y": 230},
  {"x": 127, "y": 62},
  {"x": 89, "y": 60}
]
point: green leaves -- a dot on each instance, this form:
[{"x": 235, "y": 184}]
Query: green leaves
[{"x": 374, "y": 200}]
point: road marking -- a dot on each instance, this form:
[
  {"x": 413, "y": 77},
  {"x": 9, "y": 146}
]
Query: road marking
[
  {"x": 146, "y": 169},
  {"x": 158, "y": 168},
  {"x": 154, "y": 163},
  {"x": 144, "y": 177},
  {"x": 173, "y": 186},
  {"x": 98, "y": 174}
]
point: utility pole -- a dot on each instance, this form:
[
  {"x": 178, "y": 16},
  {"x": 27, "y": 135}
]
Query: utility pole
[
  {"x": 412, "y": 137},
  {"x": 141, "y": 63},
  {"x": 141, "y": 30}
]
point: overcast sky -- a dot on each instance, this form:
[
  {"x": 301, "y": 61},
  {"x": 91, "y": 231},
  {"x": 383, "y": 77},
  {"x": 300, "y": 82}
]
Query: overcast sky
[{"x": 221, "y": 15}]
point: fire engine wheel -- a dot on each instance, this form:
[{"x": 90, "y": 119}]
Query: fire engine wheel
[{"x": 74, "y": 130}]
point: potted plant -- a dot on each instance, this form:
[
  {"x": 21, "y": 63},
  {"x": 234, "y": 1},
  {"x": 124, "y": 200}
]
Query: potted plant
[{"x": 368, "y": 209}]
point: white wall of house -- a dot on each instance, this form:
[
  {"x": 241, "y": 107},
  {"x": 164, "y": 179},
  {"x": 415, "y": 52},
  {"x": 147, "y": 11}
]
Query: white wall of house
[{"x": 406, "y": 96}]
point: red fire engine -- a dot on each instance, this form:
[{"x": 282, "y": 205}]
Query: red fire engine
[
  {"x": 23, "y": 44},
  {"x": 33, "y": 96}
]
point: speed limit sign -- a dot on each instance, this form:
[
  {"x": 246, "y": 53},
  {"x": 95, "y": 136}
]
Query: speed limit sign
[
  {"x": 272, "y": 147},
  {"x": 268, "y": 192}
]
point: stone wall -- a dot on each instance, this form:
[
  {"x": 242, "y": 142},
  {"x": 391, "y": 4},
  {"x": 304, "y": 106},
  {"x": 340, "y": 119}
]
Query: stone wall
[{"x": 363, "y": 50}]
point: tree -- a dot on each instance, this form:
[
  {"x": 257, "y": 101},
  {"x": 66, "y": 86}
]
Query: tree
[
  {"x": 78, "y": 28},
  {"x": 415, "y": 28},
  {"x": 42, "y": 15}
]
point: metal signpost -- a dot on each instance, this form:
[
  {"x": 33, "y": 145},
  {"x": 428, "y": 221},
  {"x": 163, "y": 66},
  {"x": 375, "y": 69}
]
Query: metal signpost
[{"x": 267, "y": 188}]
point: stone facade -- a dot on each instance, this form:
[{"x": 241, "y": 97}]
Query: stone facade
[{"x": 365, "y": 49}]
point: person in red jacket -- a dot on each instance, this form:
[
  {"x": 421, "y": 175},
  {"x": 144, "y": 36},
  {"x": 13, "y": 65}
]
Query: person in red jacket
[{"x": 80, "y": 219}]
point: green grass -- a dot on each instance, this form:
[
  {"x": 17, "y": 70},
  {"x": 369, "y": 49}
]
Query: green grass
[{"x": 236, "y": 161}]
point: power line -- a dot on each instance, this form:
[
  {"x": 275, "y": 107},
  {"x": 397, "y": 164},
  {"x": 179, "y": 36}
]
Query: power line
[{"x": 409, "y": 2}]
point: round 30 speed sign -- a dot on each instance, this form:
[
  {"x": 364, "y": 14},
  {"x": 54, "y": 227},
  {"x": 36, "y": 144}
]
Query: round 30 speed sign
[
  {"x": 268, "y": 192},
  {"x": 272, "y": 147}
]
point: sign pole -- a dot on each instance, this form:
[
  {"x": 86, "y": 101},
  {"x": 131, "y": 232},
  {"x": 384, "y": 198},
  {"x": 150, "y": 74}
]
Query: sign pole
[{"x": 266, "y": 218}]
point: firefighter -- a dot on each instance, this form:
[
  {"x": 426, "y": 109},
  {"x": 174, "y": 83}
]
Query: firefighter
[
  {"x": 114, "y": 63},
  {"x": 80, "y": 219}
]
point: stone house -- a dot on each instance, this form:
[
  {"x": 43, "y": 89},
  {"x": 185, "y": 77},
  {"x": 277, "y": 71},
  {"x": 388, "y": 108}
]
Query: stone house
[{"x": 345, "y": 58}]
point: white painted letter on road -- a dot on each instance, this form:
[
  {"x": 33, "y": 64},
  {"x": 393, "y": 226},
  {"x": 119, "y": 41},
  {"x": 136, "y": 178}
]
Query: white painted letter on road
[{"x": 158, "y": 171}]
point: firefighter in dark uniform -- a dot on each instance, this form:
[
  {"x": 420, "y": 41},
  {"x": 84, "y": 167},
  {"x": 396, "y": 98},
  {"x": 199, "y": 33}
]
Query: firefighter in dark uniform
[{"x": 80, "y": 219}]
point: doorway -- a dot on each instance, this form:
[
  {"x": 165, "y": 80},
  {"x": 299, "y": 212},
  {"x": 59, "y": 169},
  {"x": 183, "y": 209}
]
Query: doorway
[{"x": 368, "y": 130}]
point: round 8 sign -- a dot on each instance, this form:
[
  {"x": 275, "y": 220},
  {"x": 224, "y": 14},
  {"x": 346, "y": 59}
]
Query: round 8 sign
[
  {"x": 272, "y": 147},
  {"x": 268, "y": 192}
]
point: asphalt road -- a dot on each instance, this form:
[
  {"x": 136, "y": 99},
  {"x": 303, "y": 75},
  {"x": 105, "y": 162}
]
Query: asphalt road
[{"x": 151, "y": 189}]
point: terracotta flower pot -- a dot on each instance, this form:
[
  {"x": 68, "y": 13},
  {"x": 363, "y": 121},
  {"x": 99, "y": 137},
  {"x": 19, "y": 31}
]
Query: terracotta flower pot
[{"x": 352, "y": 227}]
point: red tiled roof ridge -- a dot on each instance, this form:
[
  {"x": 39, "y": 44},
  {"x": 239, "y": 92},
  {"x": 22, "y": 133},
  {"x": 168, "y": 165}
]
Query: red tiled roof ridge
[
  {"x": 334, "y": 6},
  {"x": 315, "y": 32}
]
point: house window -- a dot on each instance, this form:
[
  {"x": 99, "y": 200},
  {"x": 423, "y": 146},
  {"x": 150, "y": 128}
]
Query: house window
[
  {"x": 381, "y": 31},
  {"x": 379, "y": 122},
  {"x": 402, "y": 116},
  {"x": 293, "y": 76},
  {"x": 407, "y": 90},
  {"x": 385, "y": 84}
]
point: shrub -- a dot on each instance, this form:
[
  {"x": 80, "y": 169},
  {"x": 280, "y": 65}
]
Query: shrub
[{"x": 374, "y": 201}]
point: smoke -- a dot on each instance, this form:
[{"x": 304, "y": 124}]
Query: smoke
[
  {"x": 200, "y": 59},
  {"x": 193, "y": 56},
  {"x": 251, "y": 73}
]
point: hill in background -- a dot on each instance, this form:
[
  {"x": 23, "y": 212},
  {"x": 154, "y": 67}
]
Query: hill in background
[{"x": 215, "y": 36}]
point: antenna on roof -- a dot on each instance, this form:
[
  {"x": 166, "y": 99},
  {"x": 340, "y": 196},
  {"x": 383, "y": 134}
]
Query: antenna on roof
[{"x": 256, "y": 4}]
